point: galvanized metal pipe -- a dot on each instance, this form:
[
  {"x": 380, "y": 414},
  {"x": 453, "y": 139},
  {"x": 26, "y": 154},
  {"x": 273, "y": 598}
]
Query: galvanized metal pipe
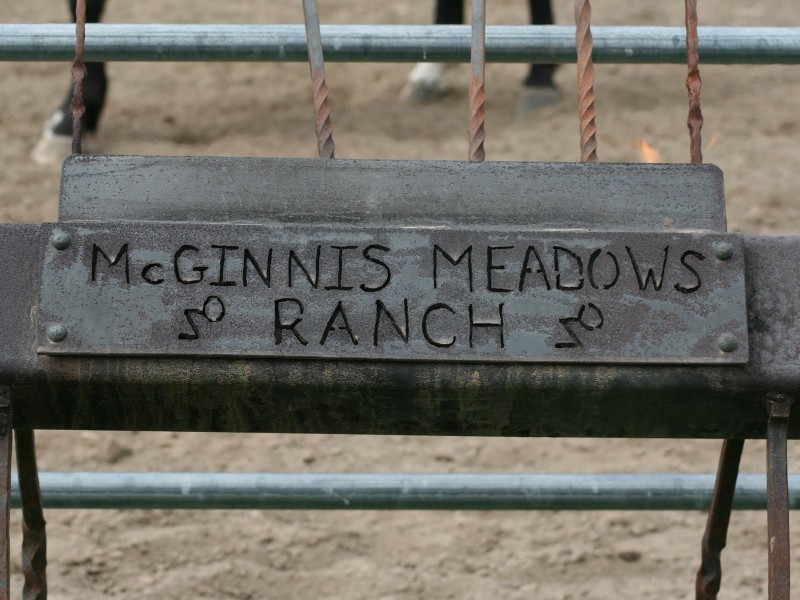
[
  {"x": 395, "y": 491},
  {"x": 395, "y": 43}
]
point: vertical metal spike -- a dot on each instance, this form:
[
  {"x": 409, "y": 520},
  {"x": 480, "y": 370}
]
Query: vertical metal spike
[
  {"x": 586, "y": 97},
  {"x": 709, "y": 576},
  {"x": 693, "y": 83},
  {"x": 34, "y": 536},
  {"x": 5, "y": 491},
  {"x": 319, "y": 87},
  {"x": 77, "y": 107},
  {"x": 477, "y": 82},
  {"x": 778, "y": 410}
]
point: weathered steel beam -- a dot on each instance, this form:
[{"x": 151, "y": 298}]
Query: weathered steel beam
[
  {"x": 341, "y": 396},
  {"x": 92, "y": 390},
  {"x": 395, "y": 43},
  {"x": 396, "y": 491}
]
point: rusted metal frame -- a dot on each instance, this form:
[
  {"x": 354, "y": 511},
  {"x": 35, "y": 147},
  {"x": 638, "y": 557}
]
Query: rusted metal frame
[
  {"x": 34, "y": 537},
  {"x": 693, "y": 83},
  {"x": 5, "y": 491},
  {"x": 586, "y": 96},
  {"x": 778, "y": 408},
  {"x": 425, "y": 399},
  {"x": 709, "y": 576},
  {"x": 345, "y": 396},
  {"x": 477, "y": 82},
  {"x": 77, "y": 107},
  {"x": 319, "y": 87},
  {"x": 608, "y": 197}
]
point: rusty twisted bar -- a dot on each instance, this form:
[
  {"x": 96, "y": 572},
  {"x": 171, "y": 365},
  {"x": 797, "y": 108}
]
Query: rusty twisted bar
[
  {"x": 693, "y": 83},
  {"x": 77, "y": 108},
  {"x": 778, "y": 408},
  {"x": 709, "y": 576},
  {"x": 477, "y": 82},
  {"x": 319, "y": 88},
  {"x": 586, "y": 111},
  {"x": 34, "y": 538}
]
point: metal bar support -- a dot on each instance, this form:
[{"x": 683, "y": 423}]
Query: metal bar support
[
  {"x": 5, "y": 492},
  {"x": 395, "y": 43},
  {"x": 477, "y": 83},
  {"x": 319, "y": 86},
  {"x": 586, "y": 96},
  {"x": 34, "y": 538},
  {"x": 77, "y": 107},
  {"x": 396, "y": 491},
  {"x": 709, "y": 577},
  {"x": 693, "y": 83},
  {"x": 778, "y": 409}
]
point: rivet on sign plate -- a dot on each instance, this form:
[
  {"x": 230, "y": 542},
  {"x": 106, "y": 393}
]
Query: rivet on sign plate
[
  {"x": 57, "y": 333},
  {"x": 60, "y": 240},
  {"x": 723, "y": 250},
  {"x": 727, "y": 342}
]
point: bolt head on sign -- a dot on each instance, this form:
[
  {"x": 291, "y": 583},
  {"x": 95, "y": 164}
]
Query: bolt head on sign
[
  {"x": 57, "y": 333},
  {"x": 60, "y": 240}
]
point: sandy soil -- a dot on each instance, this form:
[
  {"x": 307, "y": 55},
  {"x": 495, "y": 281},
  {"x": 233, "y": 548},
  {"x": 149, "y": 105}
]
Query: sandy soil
[{"x": 751, "y": 131}]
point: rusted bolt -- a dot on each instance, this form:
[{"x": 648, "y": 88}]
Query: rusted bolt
[
  {"x": 56, "y": 333},
  {"x": 723, "y": 250},
  {"x": 727, "y": 342},
  {"x": 60, "y": 240},
  {"x": 778, "y": 405}
]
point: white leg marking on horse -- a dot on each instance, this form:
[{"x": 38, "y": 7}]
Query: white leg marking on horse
[{"x": 425, "y": 82}]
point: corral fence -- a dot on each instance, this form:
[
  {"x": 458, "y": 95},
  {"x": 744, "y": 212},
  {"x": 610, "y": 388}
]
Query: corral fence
[{"x": 724, "y": 400}]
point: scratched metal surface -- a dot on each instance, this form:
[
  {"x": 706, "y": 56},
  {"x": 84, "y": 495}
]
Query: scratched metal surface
[
  {"x": 612, "y": 197},
  {"x": 571, "y": 307}
]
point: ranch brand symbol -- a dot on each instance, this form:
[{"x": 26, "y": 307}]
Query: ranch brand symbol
[{"x": 393, "y": 293}]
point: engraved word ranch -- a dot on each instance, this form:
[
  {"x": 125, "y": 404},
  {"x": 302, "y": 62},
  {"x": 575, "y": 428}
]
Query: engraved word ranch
[{"x": 395, "y": 293}]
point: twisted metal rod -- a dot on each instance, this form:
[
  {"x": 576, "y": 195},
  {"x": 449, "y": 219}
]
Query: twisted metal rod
[
  {"x": 693, "y": 83},
  {"x": 709, "y": 576},
  {"x": 586, "y": 97},
  {"x": 77, "y": 108},
  {"x": 477, "y": 82},
  {"x": 34, "y": 536},
  {"x": 319, "y": 87}
]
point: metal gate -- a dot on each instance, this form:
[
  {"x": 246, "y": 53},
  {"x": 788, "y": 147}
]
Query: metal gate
[{"x": 731, "y": 381}]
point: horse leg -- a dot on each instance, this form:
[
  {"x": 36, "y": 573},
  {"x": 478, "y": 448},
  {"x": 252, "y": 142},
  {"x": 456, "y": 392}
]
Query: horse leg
[
  {"x": 56, "y": 141},
  {"x": 540, "y": 90},
  {"x": 426, "y": 80}
]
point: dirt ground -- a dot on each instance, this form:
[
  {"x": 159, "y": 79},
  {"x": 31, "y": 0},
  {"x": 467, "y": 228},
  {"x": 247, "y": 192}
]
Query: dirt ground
[{"x": 752, "y": 131}]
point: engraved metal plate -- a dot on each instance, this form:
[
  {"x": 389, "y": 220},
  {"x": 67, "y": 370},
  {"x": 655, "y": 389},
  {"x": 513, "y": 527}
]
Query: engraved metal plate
[{"x": 393, "y": 293}]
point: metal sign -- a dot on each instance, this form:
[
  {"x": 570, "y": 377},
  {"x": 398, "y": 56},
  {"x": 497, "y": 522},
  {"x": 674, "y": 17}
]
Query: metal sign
[{"x": 392, "y": 293}]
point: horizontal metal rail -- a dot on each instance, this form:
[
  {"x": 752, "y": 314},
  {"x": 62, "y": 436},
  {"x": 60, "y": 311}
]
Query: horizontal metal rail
[
  {"x": 395, "y": 43},
  {"x": 395, "y": 491}
]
